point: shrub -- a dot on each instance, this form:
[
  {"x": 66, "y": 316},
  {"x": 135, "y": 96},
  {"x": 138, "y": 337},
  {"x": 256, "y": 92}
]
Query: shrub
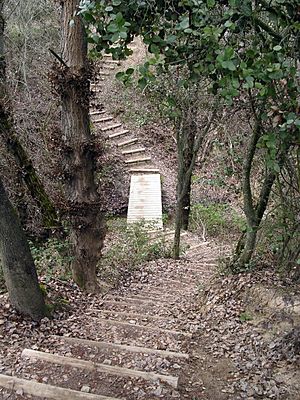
[
  {"x": 215, "y": 220},
  {"x": 128, "y": 246}
]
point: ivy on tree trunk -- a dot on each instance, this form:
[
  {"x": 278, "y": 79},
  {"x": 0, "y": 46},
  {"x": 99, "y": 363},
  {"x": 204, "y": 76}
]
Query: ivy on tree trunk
[{"x": 86, "y": 219}]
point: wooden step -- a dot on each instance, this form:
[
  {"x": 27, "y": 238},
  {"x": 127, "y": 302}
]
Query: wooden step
[
  {"x": 136, "y": 299},
  {"x": 102, "y": 368},
  {"x": 97, "y": 112},
  {"x": 122, "y": 347},
  {"x": 138, "y": 160},
  {"x": 134, "y": 151},
  {"x": 104, "y": 119},
  {"x": 127, "y": 142},
  {"x": 144, "y": 170},
  {"x": 110, "y": 127},
  {"x": 126, "y": 314},
  {"x": 117, "y": 134},
  {"x": 112, "y": 62},
  {"x": 107, "y": 66},
  {"x": 46, "y": 391},
  {"x": 143, "y": 327}
]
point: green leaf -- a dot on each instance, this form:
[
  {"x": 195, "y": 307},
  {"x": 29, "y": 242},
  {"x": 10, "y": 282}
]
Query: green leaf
[
  {"x": 130, "y": 71},
  {"x": 142, "y": 82},
  {"x": 228, "y": 65},
  {"x": 117, "y": 2},
  {"x": 185, "y": 23},
  {"x": 211, "y": 3},
  {"x": 277, "y": 48}
]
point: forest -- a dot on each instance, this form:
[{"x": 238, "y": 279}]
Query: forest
[{"x": 149, "y": 199}]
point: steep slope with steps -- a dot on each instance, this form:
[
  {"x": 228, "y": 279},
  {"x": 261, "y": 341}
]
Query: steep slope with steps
[
  {"x": 145, "y": 198},
  {"x": 132, "y": 345}
]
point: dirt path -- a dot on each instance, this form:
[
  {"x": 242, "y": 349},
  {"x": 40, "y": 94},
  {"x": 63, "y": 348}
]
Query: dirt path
[{"x": 133, "y": 343}]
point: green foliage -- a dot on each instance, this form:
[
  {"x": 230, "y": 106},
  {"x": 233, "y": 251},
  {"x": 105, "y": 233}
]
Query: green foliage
[
  {"x": 216, "y": 220},
  {"x": 130, "y": 246},
  {"x": 245, "y": 317},
  {"x": 242, "y": 50},
  {"x": 52, "y": 258}
]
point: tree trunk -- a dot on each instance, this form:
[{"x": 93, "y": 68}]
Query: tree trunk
[
  {"x": 254, "y": 214},
  {"x": 87, "y": 221},
  {"x": 178, "y": 219},
  {"x": 17, "y": 263},
  {"x": 188, "y": 153},
  {"x": 14, "y": 147}
]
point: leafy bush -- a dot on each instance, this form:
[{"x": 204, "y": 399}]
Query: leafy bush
[
  {"x": 53, "y": 257},
  {"x": 215, "y": 220},
  {"x": 128, "y": 246}
]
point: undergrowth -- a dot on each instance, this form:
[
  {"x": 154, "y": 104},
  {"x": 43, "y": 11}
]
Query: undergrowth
[
  {"x": 52, "y": 257},
  {"x": 216, "y": 220},
  {"x": 129, "y": 246}
]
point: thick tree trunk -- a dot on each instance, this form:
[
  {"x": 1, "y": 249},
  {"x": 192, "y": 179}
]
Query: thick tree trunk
[
  {"x": 17, "y": 263},
  {"x": 87, "y": 222},
  {"x": 14, "y": 147}
]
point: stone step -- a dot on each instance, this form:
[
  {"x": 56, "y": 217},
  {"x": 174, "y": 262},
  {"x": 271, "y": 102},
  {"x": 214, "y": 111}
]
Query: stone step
[
  {"x": 127, "y": 142},
  {"x": 104, "y": 119},
  {"x": 110, "y": 127},
  {"x": 101, "y": 368},
  {"x": 122, "y": 347},
  {"x": 138, "y": 160},
  {"x": 45, "y": 391},
  {"x": 103, "y": 73},
  {"x": 134, "y": 151},
  {"x": 141, "y": 327},
  {"x": 118, "y": 134},
  {"x": 144, "y": 171},
  {"x": 97, "y": 112}
]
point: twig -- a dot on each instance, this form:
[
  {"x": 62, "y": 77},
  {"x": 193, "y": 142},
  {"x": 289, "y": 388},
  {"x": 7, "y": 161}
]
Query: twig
[{"x": 58, "y": 58}]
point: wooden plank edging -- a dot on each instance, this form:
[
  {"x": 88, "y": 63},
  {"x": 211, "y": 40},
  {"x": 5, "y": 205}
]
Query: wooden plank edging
[
  {"x": 46, "y": 391},
  {"x": 104, "y": 368}
]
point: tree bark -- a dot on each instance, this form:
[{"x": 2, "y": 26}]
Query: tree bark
[
  {"x": 254, "y": 213},
  {"x": 15, "y": 148},
  {"x": 188, "y": 159},
  {"x": 17, "y": 263},
  {"x": 189, "y": 141},
  {"x": 87, "y": 221}
]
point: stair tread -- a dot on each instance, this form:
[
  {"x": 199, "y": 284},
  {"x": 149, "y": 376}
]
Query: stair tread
[
  {"x": 46, "y": 391},
  {"x": 120, "y": 133},
  {"x": 122, "y": 347},
  {"x": 92, "y": 366},
  {"x": 127, "y": 142},
  {"x": 135, "y": 160},
  {"x": 108, "y": 128},
  {"x": 141, "y": 149}
]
